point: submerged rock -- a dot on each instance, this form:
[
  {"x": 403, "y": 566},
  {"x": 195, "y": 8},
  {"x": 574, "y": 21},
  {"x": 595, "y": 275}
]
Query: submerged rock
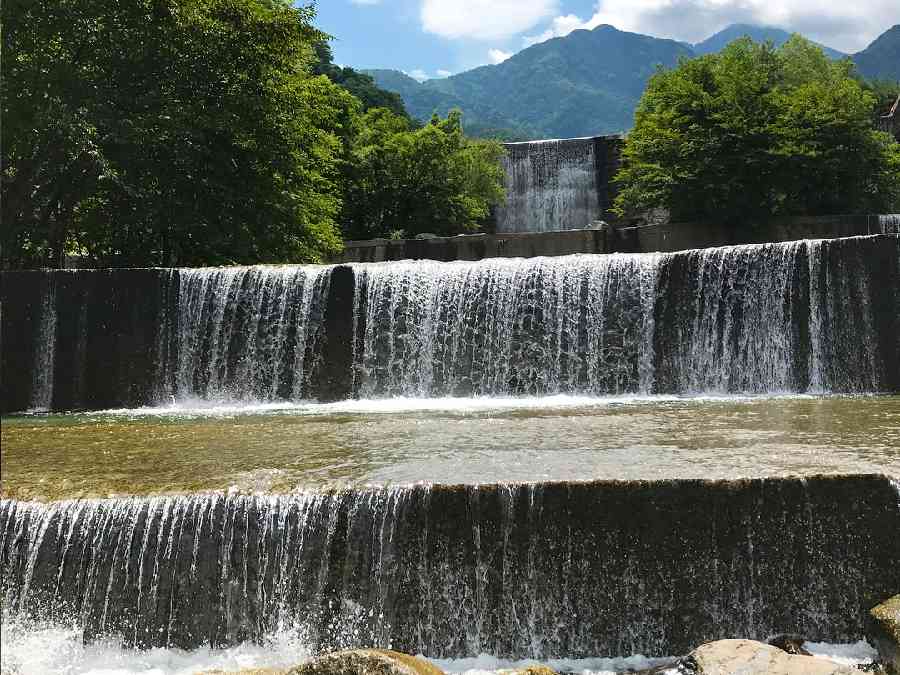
[
  {"x": 727, "y": 657},
  {"x": 366, "y": 662},
  {"x": 885, "y": 633}
]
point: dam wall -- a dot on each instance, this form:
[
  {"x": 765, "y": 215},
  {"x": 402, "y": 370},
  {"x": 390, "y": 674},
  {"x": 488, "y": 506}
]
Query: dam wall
[
  {"x": 559, "y": 184},
  {"x": 519, "y": 571},
  {"x": 808, "y": 316}
]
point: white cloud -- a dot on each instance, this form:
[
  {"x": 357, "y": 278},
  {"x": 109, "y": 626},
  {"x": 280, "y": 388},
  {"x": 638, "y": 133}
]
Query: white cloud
[
  {"x": 559, "y": 27},
  {"x": 845, "y": 26},
  {"x": 498, "y": 55},
  {"x": 484, "y": 20},
  {"x": 417, "y": 74},
  {"x": 443, "y": 73}
]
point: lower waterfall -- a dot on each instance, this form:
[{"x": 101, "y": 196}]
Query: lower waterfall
[{"x": 522, "y": 571}]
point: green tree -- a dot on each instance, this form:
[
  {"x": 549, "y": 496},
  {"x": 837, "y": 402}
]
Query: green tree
[
  {"x": 362, "y": 86},
  {"x": 754, "y": 132},
  {"x": 432, "y": 179},
  {"x": 149, "y": 132}
]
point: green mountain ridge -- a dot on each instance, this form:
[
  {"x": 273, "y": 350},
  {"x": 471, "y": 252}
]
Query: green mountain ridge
[
  {"x": 586, "y": 83},
  {"x": 881, "y": 59},
  {"x": 777, "y": 36}
]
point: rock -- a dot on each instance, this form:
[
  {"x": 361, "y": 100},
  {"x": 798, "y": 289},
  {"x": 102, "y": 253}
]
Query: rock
[
  {"x": 884, "y": 633},
  {"x": 366, "y": 662},
  {"x": 727, "y": 657},
  {"x": 791, "y": 643},
  {"x": 529, "y": 670}
]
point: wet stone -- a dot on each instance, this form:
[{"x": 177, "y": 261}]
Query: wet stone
[
  {"x": 366, "y": 662},
  {"x": 727, "y": 657},
  {"x": 884, "y": 633}
]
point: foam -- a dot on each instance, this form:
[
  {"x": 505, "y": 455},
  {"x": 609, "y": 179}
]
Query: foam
[{"x": 192, "y": 407}]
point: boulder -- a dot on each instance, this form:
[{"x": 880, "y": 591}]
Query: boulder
[
  {"x": 366, "y": 662},
  {"x": 747, "y": 657},
  {"x": 529, "y": 670},
  {"x": 884, "y": 633}
]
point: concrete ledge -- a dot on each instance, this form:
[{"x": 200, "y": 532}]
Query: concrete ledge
[{"x": 611, "y": 239}]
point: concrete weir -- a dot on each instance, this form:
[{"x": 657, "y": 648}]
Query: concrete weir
[
  {"x": 816, "y": 316},
  {"x": 520, "y": 570}
]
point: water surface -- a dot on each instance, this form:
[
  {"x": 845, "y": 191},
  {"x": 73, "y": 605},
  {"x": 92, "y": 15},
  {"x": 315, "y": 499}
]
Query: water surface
[{"x": 281, "y": 447}]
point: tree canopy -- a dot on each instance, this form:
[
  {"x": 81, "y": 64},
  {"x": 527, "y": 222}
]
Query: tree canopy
[
  {"x": 192, "y": 132},
  {"x": 754, "y": 132},
  {"x": 407, "y": 181}
]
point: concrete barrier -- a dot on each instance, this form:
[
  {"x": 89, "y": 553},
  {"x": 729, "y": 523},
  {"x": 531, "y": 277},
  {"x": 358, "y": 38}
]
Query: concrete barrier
[{"x": 607, "y": 238}]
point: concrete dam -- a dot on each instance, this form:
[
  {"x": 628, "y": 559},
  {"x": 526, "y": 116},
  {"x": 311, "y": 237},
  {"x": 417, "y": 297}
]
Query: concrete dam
[
  {"x": 583, "y": 566},
  {"x": 811, "y": 316}
]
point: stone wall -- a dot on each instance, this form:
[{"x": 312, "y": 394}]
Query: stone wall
[{"x": 610, "y": 239}]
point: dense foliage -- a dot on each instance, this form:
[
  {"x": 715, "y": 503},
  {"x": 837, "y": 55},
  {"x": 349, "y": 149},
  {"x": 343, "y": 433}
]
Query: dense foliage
[
  {"x": 185, "y": 132},
  {"x": 404, "y": 181},
  {"x": 754, "y": 132},
  {"x": 162, "y": 131}
]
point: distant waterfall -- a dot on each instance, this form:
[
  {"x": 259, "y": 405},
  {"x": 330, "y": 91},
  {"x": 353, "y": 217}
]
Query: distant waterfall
[
  {"x": 521, "y": 571},
  {"x": 555, "y": 184},
  {"x": 248, "y": 332}
]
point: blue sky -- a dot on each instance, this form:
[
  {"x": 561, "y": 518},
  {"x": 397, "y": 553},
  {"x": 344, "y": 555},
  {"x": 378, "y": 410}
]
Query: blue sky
[{"x": 434, "y": 38}]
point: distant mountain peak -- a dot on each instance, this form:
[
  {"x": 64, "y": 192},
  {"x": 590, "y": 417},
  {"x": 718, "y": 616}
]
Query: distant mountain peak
[
  {"x": 778, "y": 36},
  {"x": 585, "y": 83},
  {"x": 881, "y": 59}
]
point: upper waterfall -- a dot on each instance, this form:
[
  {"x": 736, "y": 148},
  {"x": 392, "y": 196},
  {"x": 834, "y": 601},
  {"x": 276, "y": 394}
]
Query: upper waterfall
[
  {"x": 807, "y": 316},
  {"x": 556, "y": 184}
]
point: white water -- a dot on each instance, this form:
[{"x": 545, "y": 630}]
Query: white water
[
  {"x": 196, "y": 407},
  {"x": 550, "y": 185},
  {"x": 247, "y": 332},
  {"x": 59, "y": 650}
]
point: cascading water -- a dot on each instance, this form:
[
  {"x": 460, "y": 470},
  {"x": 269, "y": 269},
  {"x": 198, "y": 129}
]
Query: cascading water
[
  {"x": 248, "y": 332},
  {"x": 45, "y": 352},
  {"x": 807, "y": 316},
  {"x": 521, "y": 571},
  {"x": 889, "y": 223},
  {"x": 755, "y": 318},
  {"x": 550, "y": 185},
  {"x": 536, "y": 326}
]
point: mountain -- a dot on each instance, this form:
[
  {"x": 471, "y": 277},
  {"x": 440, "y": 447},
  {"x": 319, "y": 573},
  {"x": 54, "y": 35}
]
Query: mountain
[
  {"x": 881, "y": 59},
  {"x": 588, "y": 82},
  {"x": 717, "y": 42}
]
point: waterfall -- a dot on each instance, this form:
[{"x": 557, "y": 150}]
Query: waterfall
[
  {"x": 551, "y": 185},
  {"x": 45, "y": 351},
  {"x": 507, "y": 326},
  {"x": 889, "y": 223},
  {"x": 786, "y": 317},
  {"x": 248, "y": 332},
  {"x": 815, "y": 316},
  {"x": 522, "y": 571}
]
